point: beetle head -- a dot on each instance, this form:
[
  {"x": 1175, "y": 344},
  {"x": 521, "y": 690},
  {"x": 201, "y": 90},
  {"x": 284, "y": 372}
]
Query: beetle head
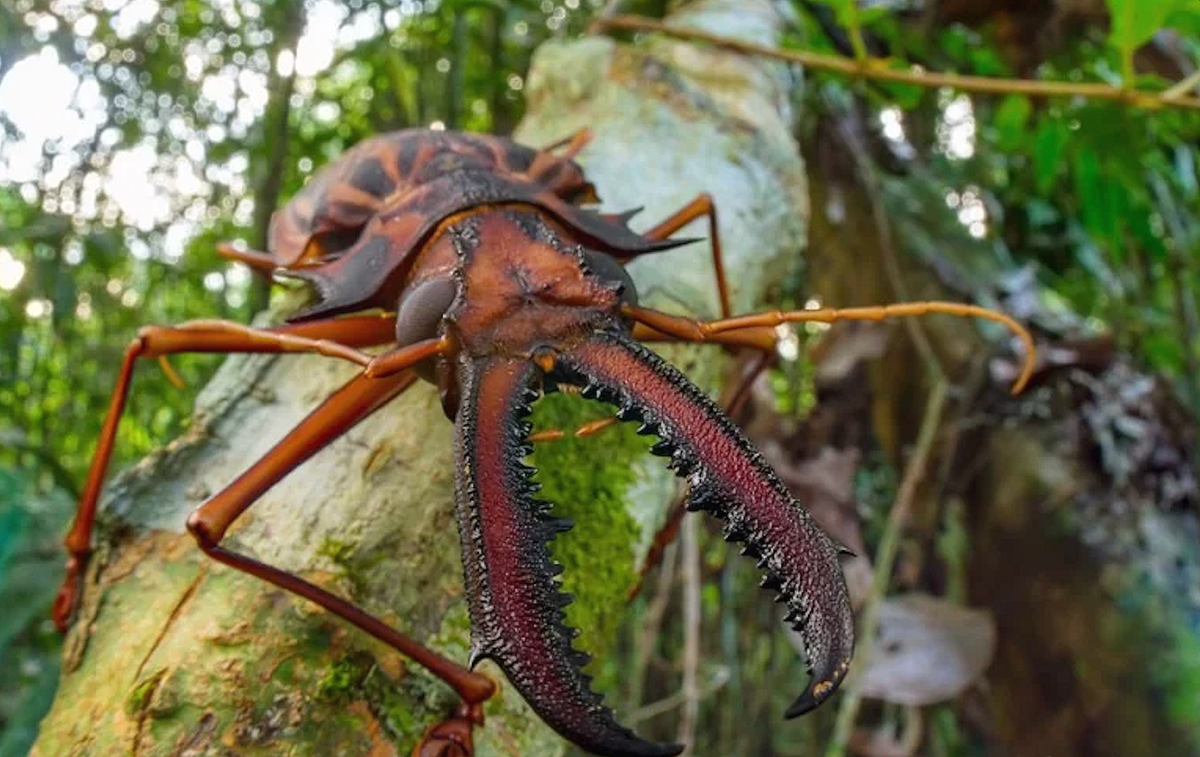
[{"x": 526, "y": 287}]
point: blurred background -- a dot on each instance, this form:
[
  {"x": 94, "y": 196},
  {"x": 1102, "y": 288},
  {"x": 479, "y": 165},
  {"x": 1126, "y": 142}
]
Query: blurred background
[{"x": 135, "y": 134}]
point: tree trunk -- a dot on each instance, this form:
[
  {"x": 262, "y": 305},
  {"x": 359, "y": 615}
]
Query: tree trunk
[
  {"x": 275, "y": 127},
  {"x": 174, "y": 655}
]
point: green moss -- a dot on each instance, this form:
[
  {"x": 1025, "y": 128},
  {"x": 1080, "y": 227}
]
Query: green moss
[
  {"x": 139, "y": 698},
  {"x": 393, "y": 708},
  {"x": 342, "y": 681},
  {"x": 338, "y": 551},
  {"x": 1165, "y": 638},
  {"x": 406, "y": 708},
  {"x": 588, "y": 480},
  {"x": 1182, "y": 680},
  {"x": 1149, "y": 631}
]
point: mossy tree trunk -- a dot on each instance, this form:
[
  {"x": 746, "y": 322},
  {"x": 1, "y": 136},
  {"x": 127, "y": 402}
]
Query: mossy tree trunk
[{"x": 175, "y": 655}]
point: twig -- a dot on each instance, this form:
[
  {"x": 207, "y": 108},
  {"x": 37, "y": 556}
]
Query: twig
[
  {"x": 1185, "y": 302},
  {"x": 610, "y": 9},
  {"x": 856, "y": 36},
  {"x": 690, "y": 575},
  {"x": 885, "y": 557},
  {"x": 879, "y": 744},
  {"x": 644, "y": 641},
  {"x": 877, "y": 69},
  {"x": 1183, "y": 86},
  {"x": 719, "y": 678}
]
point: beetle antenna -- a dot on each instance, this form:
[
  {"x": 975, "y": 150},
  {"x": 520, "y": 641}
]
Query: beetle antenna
[{"x": 172, "y": 375}]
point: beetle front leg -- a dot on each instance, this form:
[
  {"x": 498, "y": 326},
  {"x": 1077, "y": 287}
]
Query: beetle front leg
[
  {"x": 339, "y": 338},
  {"x": 257, "y": 261}
]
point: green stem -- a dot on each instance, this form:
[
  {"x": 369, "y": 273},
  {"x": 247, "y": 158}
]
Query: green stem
[
  {"x": 885, "y": 558},
  {"x": 854, "y": 29}
]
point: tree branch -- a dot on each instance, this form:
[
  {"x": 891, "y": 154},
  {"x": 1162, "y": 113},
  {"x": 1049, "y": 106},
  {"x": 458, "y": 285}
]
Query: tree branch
[{"x": 878, "y": 69}]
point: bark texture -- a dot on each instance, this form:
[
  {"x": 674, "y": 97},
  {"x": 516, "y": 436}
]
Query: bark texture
[{"x": 175, "y": 655}]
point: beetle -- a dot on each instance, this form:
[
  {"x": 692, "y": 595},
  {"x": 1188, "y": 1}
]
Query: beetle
[{"x": 498, "y": 282}]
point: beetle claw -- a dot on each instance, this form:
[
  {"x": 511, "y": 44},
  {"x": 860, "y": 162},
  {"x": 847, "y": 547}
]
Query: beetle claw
[{"x": 449, "y": 738}]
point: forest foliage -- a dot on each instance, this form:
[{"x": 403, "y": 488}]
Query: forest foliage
[{"x": 154, "y": 129}]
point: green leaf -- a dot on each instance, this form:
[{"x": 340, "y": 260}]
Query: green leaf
[
  {"x": 1048, "y": 149},
  {"x": 1010, "y": 120},
  {"x": 1103, "y": 201},
  {"x": 1185, "y": 170},
  {"x": 872, "y": 16},
  {"x": 1134, "y": 22},
  {"x": 30, "y": 569},
  {"x": 1162, "y": 349},
  {"x": 1085, "y": 172},
  {"x": 1041, "y": 213},
  {"x": 1185, "y": 19},
  {"x": 844, "y": 9}
]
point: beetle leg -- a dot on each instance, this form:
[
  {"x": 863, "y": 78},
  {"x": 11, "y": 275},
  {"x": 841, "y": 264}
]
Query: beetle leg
[
  {"x": 584, "y": 430},
  {"x": 729, "y": 479},
  {"x": 260, "y": 262},
  {"x": 573, "y": 142},
  {"x": 545, "y": 158},
  {"x": 337, "y": 338},
  {"x": 399, "y": 359},
  {"x": 356, "y": 400},
  {"x": 702, "y": 205},
  {"x": 761, "y": 338},
  {"x": 693, "y": 330}
]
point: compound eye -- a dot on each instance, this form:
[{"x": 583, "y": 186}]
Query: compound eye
[
  {"x": 610, "y": 270},
  {"x": 421, "y": 309}
]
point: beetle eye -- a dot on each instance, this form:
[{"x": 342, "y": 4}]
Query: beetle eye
[
  {"x": 610, "y": 270},
  {"x": 421, "y": 309}
]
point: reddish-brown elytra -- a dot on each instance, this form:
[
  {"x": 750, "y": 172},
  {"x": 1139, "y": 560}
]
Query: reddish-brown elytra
[{"x": 497, "y": 283}]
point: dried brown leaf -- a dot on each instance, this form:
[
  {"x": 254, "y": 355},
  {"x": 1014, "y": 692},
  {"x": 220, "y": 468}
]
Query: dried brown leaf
[{"x": 927, "y": 651}]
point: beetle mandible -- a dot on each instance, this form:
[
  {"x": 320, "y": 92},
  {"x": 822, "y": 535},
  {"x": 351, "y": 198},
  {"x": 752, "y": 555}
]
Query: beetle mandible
[{"x": 498, "y": 283}]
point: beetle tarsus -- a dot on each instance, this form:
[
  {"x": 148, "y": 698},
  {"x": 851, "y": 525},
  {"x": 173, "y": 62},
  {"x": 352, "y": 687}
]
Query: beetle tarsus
[{"x": 453, "y": 737}]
